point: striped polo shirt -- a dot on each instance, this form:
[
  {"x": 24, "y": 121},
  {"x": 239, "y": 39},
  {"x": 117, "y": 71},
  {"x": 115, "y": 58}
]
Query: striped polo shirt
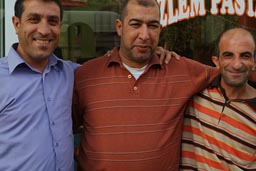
[
  {"x": 219, "y": 134},
  {"x": 134, "y": 124}
]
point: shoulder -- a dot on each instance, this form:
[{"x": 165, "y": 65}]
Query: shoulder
[
  {"x": 183, "y": 61},
  {"x": 3, "y": 61},
  {"x": 93, "y": 65},
  {"x": 192, "y": 62},
  {"x": 186, "y": 65},
  {"x": 197, "y": 67},
  {"x": 69, "y": 64},
  {"x": 3, "y": 64}
]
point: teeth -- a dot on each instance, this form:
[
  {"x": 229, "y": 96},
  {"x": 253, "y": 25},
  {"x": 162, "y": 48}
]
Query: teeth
[{"x": 43, "y": 41}]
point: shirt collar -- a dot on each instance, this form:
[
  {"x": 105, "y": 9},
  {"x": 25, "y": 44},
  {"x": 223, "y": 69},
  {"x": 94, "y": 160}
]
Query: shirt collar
[
  {"x": 251, "y": 102},
  {"x": 114, "y": 58},
  {"x": 14, "y": 60},
  {"x": 216, "y": 82}
]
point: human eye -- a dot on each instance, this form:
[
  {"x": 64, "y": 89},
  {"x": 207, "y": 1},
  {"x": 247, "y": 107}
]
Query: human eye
[
  {"x": 135, "y": 24},
  {"x": 246, "y": 55},
  {"x": 53, "y": 21},
  {"x": 154, "y": 25},
  {"x": 227, "y": 55},
  {"x": 34, "y": 19}
]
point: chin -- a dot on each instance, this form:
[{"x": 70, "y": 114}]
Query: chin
[{"x": 42, "y": 57}]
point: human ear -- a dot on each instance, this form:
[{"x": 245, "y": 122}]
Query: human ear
[
  {"x": 119, "y": 27},
  {"x": 215, "y": 60},
  {"x": 16, "y": 23}
]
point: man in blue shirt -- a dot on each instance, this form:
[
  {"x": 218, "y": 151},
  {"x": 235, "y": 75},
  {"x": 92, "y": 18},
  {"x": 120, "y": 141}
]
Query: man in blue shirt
[{"x": 36, "y": 93}]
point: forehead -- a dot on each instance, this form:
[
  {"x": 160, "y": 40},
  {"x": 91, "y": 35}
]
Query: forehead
[
  {"x": 237, "y": 41},
  {"x": 134, "y": 10},
  {"x": 40, "y": 7}
]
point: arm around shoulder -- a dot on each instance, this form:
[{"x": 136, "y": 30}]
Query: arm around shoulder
[{"x": 202, "y": 75}]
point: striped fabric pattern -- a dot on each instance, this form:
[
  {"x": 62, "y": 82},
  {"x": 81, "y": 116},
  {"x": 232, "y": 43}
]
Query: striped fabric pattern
[
  {"x": 134, "y": 125},
  {"x": 219, "y": 135}
]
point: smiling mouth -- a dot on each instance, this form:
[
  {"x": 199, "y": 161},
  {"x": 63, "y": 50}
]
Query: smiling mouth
[
  {"x": 236, "y": 74},
  {"x": 43, "y": 41}
]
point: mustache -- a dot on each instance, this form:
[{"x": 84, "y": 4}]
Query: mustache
[
  {"x": 42, "y": 37},
  {"x": 142, "y": 46},
  {"x": 242, "y": 69}
]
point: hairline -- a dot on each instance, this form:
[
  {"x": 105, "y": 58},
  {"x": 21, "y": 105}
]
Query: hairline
[
  {"x": 19, "y": 7},
  {"x": 144, "y": 3},
  {"x": 218, "y": 40}
]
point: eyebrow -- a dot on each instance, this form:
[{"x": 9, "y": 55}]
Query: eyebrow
[
  {"x": 138, "y": 20},
  {"x": 38, "y": 15},
  {"x": 240, "y": 54},
  {"x": 246, "y": 53},
  {"x": 32, "y": 14},
  {"x": 227, "y": 53}
]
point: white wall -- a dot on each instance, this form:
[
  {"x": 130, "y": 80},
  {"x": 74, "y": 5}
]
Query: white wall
[{"x": 10, "y": 35}]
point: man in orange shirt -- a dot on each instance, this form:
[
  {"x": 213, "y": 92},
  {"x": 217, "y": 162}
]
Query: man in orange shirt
[{"x": 131, "y": 106}]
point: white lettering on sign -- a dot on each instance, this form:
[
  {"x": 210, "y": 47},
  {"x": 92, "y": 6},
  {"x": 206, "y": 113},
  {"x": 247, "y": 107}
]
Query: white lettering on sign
[{"x": 171, "y": 14}]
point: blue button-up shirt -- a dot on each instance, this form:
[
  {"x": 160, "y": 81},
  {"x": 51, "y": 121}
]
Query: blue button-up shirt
[{"x": 35, "y": 115}]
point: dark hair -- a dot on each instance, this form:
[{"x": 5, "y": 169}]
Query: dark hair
[
  {"x": 216, "y": 50},
  {"x": 19, "y": 7},
  {"x": 145, "y": 3}
]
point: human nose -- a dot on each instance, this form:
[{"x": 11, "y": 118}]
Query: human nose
[
  {"x": 237, "y": 63},
  {"x": 44, "y": 28},
  {"x": 144, "y": 32}
]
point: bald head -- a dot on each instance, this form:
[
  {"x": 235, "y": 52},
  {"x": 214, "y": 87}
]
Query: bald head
[
  {"x": 235, "y": 35},
  {"x": 236, "y": 57}
]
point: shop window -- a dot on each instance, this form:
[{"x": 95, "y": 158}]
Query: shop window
[
  {"x": 195, "y": 37},
  {"x": 88, "y": 29}
]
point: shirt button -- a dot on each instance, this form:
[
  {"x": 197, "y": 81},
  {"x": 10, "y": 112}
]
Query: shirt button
[
  {"x": 53, "y": 123},
  {"x": 49, "y": 99},
  {"x": 57, "y": 144},
  {"x": 129, "y": 76},
  {"x": 135, "y": 88}
]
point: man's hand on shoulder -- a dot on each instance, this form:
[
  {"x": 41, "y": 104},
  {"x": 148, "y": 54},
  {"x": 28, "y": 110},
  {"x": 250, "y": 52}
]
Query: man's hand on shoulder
[{"x": 165, "y": 55}]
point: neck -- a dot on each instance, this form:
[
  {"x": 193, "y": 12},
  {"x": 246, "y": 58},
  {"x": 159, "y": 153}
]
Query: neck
[
  {"x": 38, "y": 63},
  {"x": 132, "y": 62},
  {"x": 243, "y": 92}
]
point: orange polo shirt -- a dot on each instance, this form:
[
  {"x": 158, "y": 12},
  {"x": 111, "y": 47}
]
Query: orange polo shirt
[{"x": 129, "y": 124}]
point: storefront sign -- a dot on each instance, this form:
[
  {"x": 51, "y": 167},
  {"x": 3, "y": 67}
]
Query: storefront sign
[{"x": 187, "y": 9}]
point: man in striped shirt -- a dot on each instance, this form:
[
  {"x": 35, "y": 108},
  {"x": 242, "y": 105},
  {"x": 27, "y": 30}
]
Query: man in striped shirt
[{"x": 219, "y": 132}]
